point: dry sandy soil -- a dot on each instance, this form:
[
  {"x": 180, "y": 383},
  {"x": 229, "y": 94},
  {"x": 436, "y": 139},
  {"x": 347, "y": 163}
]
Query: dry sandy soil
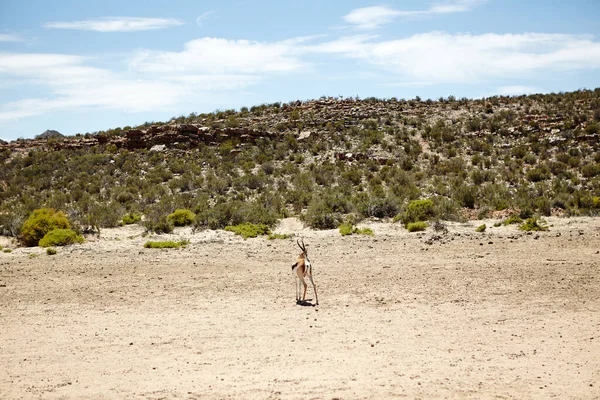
[{"x": 500, "y": 314}]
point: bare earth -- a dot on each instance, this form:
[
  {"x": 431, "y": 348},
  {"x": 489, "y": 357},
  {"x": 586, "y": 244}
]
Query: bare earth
[{"x": 500, "y": 314}]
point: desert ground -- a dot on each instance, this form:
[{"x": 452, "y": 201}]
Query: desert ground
[{"x": 500, "y": 314}]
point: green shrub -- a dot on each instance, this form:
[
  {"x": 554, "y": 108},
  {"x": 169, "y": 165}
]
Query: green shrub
[
  {"x": 481, "y": 228},
  {"x": 265, "y": 210},
  {"x": 321, "y": 215},
  {"x": 131, "y": 218},
  {"x": 11, "y": 223},
  {"x": 513, "y": 219},
  {"x": 60, "y": 237},
  {"x": 349, "y": 229},
  {"x": 417, "y": 226},
  {"x": 7, "y": 251},
  {"x": 466, "y": 195},
  {"x": 39, "y": 223},
  {"x": 537, "y": 174},
  {"x": 497, "y": 224},
  {"x": 534, "y": 224},
  {"x": 590, "y": 170},
  {"x": 166, "y": 244},
  {"x": 249, "y": 230},
  {"x": 417, "y": 210},
  {"x": 159, "y": 225},
  {"x": 346, "y": 229},
  {"x": 50, "y": 251},
  {"x": 364, "y": 231},
  {"x": 181, "y": 217},
  {"x": 274, "y": 236},
  {"x": 104, "y": 215}
]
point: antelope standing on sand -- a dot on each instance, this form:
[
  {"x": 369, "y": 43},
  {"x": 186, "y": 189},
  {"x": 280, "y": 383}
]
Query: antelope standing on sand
[{"x": 303, "y": 269}]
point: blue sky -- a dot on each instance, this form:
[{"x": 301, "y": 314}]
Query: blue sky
[{"x": 82, "y": 66}]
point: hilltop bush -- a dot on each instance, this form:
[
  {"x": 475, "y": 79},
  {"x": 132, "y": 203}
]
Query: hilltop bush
[
  {"x": 161, "y": 224},
  {"x": 417, "y": 210},
  {"x": 513, "y": 219},
  {"x": 249, "y": 230},
  {"x": 349, "y": 229},
  {"x": 534, "y": 224},
  {"x": 417, "y": 226},
  {"x": 274, "y": 236},
  {"x": 131, "y": 218},
  {"x": 60, "y": 237},
  {"x": 265, "y": 210},
  {"x": 181, "y": 217},
  {"x": 157, "y": 216},
  {"x": 326, "y": 211},
  {"x": 39, "y": 223},
  {"x": 166, "y": 244},
  {"x": 11, "y": 223}
]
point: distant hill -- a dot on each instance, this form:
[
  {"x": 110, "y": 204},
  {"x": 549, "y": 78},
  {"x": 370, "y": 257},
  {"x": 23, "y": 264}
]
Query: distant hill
[
  {"x": 3, "y": 141},
  {"x": 50, "y": 134},
  {"x": 327, "y": 161}
]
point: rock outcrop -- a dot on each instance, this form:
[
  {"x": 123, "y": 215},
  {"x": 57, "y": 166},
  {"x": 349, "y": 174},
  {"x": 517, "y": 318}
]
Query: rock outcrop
[{"x": 50, "y": 134}]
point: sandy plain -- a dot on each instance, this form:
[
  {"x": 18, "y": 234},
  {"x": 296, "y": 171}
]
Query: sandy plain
[{"x": 500, "y": 314}]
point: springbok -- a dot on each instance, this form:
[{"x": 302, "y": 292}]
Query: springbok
[{"x": 302, "y": 268}]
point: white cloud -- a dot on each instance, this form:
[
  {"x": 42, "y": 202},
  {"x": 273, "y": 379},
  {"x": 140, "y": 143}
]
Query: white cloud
[
  {"x": 204, "y": 16},
  {"x": 11, "y": 37},
  {"x": 214, "y": 82},
  {"x": 207, "y": 67},
  {"x": 217, "y": 56},
  {"x": 457, "y": 58},
  {"x": 373, "y": 17},
  {"x": 69, "y": 84},
  {"x": 453, "y": 6},
  {"x": 162, "y": 79},
  {"x": 117, "y": 24}
]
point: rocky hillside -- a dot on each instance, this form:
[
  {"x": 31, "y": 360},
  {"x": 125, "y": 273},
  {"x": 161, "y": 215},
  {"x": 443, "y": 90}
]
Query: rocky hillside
[
  {"x": 49, "y": 133},
  {"x": 326, "y": 160}
]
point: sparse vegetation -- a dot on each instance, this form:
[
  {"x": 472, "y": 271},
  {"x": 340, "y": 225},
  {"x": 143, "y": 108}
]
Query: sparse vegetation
[
  {"x": 249, "y": 230},
  {"x": 131, "y": 218},
  {"x": 513, "y": 219},
  {"x": 416, "y": 226},
  {"x": 60, "y": 237},
  {"x": 51, "y": 251},
  {"x": 182, "y": 217},
  {"x": 417, "y": 210},
  {"x": 166, "y": 244},
  {"x": 273, "y": 236},
  {"x": 534, "y": 224},
  {"x": 401, "y": 159},
  {"x": 349, "y": 229},
  {"x": 481, "y": 228},
  {"x": 39, "y": 223}
]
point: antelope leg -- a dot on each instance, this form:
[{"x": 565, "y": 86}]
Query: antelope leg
[{"x": 315, "y": 289}]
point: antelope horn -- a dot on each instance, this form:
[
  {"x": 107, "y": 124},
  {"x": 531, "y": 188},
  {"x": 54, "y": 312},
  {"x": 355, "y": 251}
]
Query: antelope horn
[{"x": 302, "y": 246}]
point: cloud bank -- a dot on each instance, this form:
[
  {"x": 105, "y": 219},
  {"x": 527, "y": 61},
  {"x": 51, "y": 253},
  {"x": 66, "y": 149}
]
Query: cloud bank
[{"x": 117, "y": 24}]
